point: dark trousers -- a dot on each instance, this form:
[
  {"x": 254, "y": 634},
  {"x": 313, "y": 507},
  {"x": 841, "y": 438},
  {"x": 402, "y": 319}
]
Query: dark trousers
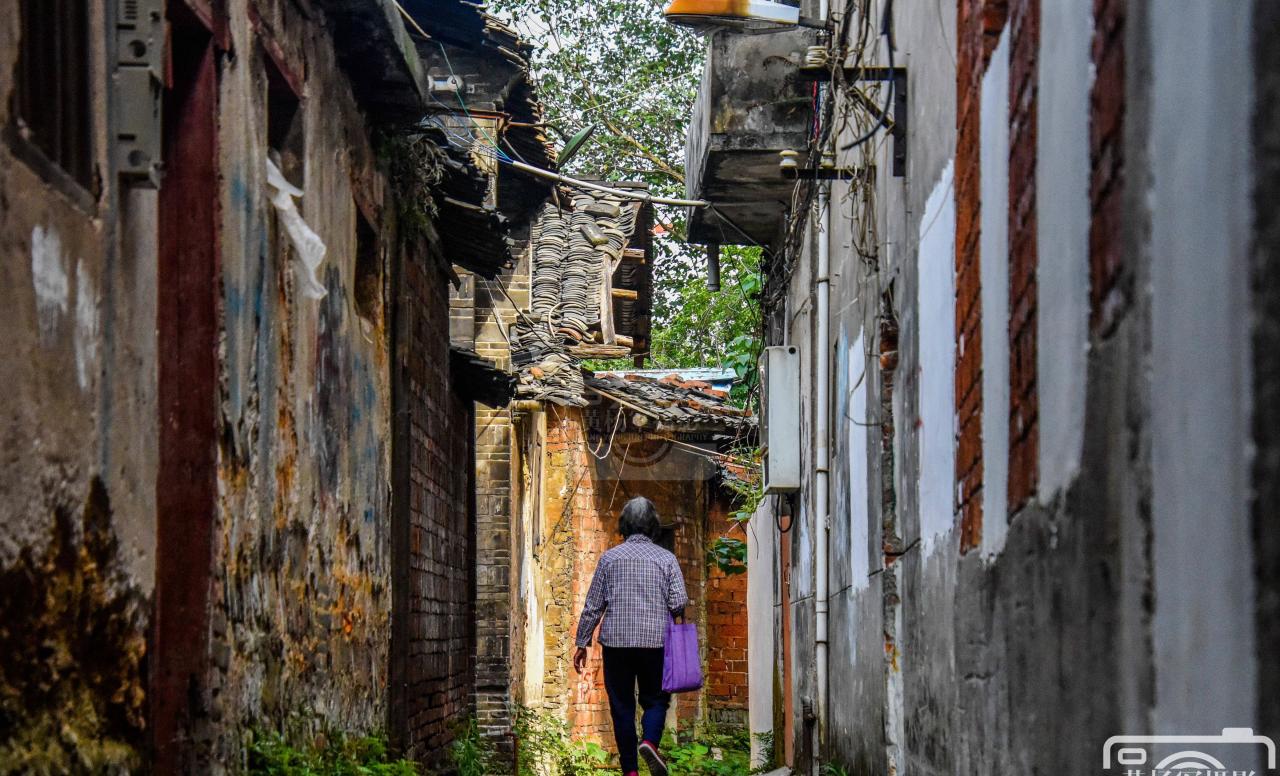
[{"x": 624, "y": 669}]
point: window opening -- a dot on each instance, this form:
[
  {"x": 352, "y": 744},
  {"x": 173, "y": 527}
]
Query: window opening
[
  {"x": 286, "y": 134},
  {"x": 368, "y": 271},
  {"x": 51, "y": 96}
]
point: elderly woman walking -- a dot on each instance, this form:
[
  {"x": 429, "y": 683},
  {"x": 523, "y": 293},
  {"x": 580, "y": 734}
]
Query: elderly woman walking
[{"x": 637, "y": 585}]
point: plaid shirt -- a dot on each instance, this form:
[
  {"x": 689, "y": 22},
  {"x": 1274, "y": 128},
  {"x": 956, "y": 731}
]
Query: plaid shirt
[{"x": 636, "y": 585}]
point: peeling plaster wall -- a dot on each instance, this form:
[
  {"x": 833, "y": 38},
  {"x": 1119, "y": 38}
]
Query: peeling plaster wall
[
  {"x": 297, "y": 634},
  {"x": 77, "y": 419},
  {"x": 302, "y": 598}
]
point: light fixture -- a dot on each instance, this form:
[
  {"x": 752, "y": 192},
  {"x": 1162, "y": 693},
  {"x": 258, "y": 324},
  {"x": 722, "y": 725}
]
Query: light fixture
[
  {"x": 741, "y": 15},
  {"x": 574, "y": 144}
]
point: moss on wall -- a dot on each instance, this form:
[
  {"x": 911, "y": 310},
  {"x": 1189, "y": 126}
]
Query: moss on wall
[{"x": 72, "y": 651}]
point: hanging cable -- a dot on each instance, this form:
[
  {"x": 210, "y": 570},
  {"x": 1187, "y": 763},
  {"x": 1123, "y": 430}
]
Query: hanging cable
[
  {"x": 886, "y": 29},
  {"x": 622, "y": 193}
]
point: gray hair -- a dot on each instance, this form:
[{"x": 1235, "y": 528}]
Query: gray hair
[{"x": 639, "y": 516}]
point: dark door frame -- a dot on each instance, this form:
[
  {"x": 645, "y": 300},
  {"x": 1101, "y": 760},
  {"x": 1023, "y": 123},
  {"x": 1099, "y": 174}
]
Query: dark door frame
[{"x": 187, "y": 337}]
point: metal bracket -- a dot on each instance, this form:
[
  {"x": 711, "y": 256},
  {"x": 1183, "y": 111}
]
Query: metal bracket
[{"x": 898, "y": 122}]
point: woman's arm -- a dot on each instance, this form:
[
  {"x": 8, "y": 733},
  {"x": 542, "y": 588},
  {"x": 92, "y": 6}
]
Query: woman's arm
[
  {"x": 677, "y": 596},
  {"x": 593, "y": 608}
]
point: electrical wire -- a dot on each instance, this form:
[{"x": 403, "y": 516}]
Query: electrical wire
[
  {"x": 886, "y": 29},
  {"x": 622, "y": 193}
]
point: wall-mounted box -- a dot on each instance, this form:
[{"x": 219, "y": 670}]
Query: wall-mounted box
[
  {"x": 138, "y": 83},
  {"x": 780, "y": 434}
]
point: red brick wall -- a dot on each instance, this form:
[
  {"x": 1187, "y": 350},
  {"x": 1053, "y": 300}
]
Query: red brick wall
[
  {"x": 978, "y": 27},
  {"x": 439, "y": 609},
  {"x": 726, "y": 630},
  {"x": 583, "y": 499},
  {"x": 1106, "y": 128},
  {"x": 968, "y": 193},
  {"x": 1024, "y": 21}
]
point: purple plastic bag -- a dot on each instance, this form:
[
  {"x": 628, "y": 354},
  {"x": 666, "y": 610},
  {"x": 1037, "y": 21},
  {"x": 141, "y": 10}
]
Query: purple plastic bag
[{"x": 681, "y": 663}]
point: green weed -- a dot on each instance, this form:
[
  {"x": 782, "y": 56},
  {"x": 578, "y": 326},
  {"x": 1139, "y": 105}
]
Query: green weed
[{"x": 333, "y": 754}]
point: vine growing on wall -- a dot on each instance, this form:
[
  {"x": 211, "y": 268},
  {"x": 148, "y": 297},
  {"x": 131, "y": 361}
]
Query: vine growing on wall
[{"x": 742, "y": 479}]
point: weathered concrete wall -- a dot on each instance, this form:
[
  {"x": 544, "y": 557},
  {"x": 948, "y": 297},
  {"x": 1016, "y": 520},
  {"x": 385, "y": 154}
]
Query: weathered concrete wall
[
  {"x": 76, "y": 498},
  {"x": 283, "y": 576},
  {"x": 301, "y": 624},
  {"x": 1110, "y": 576},
  {"x": 1265, "y": 290},
  {"x": 1199, "y": 205}
]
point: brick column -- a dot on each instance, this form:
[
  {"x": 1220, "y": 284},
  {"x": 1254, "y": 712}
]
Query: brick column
[
  {"x": 978, "y": 26},
  {"x": 1024, "y": 407},
  {"x": 1106, "y": 155},
  {"x": 725, "y": 610},
  {"x": 486, "y": 311},
  {"x": 493, "y": 567}
]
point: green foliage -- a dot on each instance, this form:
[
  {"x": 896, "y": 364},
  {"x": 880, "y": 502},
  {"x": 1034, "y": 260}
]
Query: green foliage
[
  {"x": 472, "y": 754},
  {"x": 728, "y": 554},
  {"x": 709, "y": 753},
  {"x": 332, "y": 754},
  {"x": 413, "y": 167},
  {"x": 747, "y": 492},
  {"x": 694, "y": 326},
  {"x": 832, "y": 769},
  {"x": 769, "y": 752},
  {"x": 619, "y": 65},
  {"x": 546, "y": 749}
]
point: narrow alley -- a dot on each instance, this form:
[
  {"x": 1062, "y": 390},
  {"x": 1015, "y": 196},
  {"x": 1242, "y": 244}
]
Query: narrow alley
[{"x": 352, "y": 345}]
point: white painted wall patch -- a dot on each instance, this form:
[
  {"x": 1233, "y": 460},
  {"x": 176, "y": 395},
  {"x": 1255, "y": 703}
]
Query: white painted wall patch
[
  {"x": 49, "y": 279},
  {"x": 86, "y": 340},
  {"x": 936, "y": 302}
]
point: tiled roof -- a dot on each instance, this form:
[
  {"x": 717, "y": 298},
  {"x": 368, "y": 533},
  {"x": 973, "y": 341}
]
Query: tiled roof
[
  {"x": 473, "y": 234},
  {"x": 575, "y": 253},
  {"x": 673, "y": 403}
]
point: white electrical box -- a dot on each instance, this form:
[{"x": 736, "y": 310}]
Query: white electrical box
[{"x": 780, "y": 435}]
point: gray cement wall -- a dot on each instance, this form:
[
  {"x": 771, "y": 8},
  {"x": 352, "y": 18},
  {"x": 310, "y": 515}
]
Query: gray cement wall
[
  {"x": 1131, "y": 594},
  {"x": 1265, "y": 291}
]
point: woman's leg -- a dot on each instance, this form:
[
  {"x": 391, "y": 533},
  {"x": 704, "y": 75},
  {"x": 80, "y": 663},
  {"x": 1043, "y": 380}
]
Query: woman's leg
[
  {"x": 620, "y": 685},
  {"x": 652, "y": 699}
]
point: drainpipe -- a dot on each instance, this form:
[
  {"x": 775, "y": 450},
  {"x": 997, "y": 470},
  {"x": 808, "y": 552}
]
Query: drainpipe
[
  {"x": 822, "y": 463},
  {"x": 822, "y": 458}
]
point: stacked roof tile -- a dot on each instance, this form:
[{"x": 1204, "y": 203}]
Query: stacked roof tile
[
  {"x": 673, "y": 403},
  {"x": 574, "y": 251}
]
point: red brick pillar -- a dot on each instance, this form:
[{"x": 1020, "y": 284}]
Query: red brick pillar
[
  {"x": 726, "y": 630},
  {"x": 979, "y": 23},
  {"x": 1106, "y": 146},
  {"x": 1024, "y": 408}
]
